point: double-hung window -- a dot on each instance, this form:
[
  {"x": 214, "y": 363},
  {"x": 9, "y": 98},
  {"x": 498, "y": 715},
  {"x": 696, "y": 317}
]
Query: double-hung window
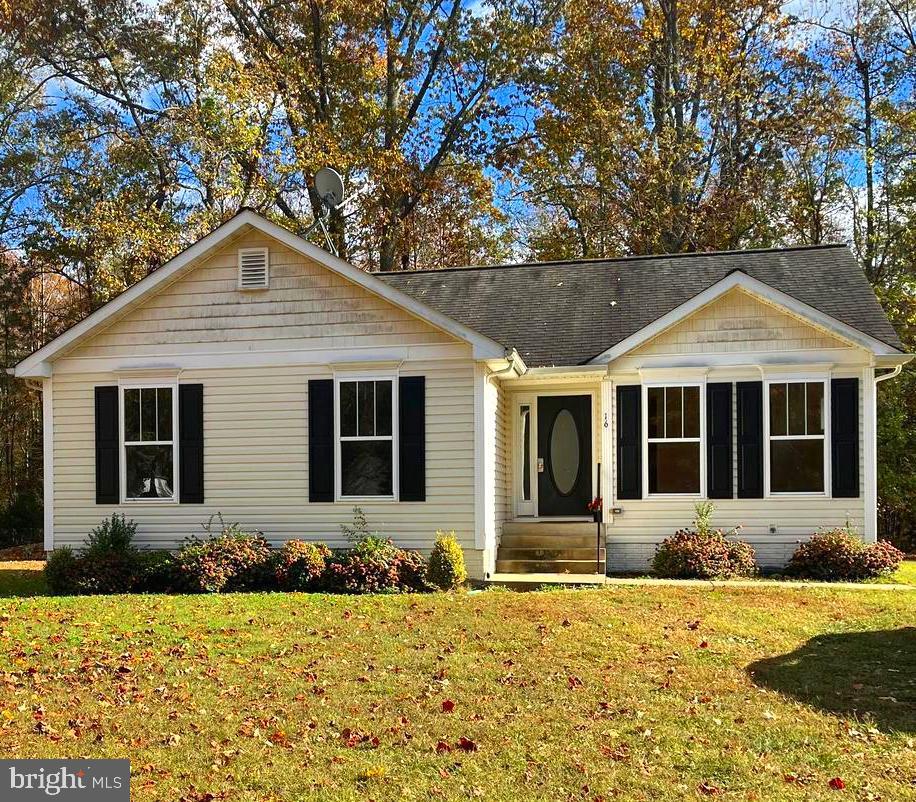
[
  {"x": 148, "y": 440},
  {"x": 796, "y": 437},
  {"x": 366, "y": 439},
  {"x": 673, "y": 427}
]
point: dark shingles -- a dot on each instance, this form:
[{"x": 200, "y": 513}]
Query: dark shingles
[{"x": 566, "y": 313}]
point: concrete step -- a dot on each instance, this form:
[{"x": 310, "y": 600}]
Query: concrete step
[
  {"x": 551, "y": 553},
  {"x": 549, "y": 540},
  {"x": 548, "y": 567},
  {"x": 523, "y": 527}
]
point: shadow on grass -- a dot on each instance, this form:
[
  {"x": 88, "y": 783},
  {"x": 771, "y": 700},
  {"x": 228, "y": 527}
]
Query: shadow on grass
[
  {"x": 852, "y": 674},
  {"x": 22, "y": 579}
]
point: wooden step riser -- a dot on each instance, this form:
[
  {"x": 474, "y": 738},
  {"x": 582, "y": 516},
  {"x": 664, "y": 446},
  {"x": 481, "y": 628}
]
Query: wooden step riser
[
  {"x": 549, "y": 528},
  {"x": 549, "y": 554},
  {"x": 549, "y": 567},
  {"x": 547, "y": 541}
]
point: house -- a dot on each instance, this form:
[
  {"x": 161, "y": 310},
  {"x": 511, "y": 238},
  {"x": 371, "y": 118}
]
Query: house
[{"x": 259, "y": 376}]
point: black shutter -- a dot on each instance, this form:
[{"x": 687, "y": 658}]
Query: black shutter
[
  {"x": 321, "y": 439},
  {"x": 107, "y": 464},
  {"x": 750, "y": 439},
  {"x": 719, "y": 440},
  {"x": 844, "y": 437},
  {"x": 191, "y": 443},
  {"x": 412, "y": 438},
  {"x": 629, "y": 441}
]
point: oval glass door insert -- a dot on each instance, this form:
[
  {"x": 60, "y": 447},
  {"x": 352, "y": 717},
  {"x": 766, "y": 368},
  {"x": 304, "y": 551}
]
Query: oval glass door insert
[{"x": 564, "y": 452}]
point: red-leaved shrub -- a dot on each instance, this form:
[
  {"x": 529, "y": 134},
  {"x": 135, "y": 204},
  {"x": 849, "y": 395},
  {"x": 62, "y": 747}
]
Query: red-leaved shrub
[
  {"x": 299, "y": 564},
  {"x": 704, "y": 553},
  {"x": 838, "y": 555},
  {"x": 230, "y": 560}
]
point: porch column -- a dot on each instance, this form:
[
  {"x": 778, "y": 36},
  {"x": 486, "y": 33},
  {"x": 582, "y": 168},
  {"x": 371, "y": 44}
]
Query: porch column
[
  {"x": 606, "y": 426},
  {"x": 869, "y": 454}
]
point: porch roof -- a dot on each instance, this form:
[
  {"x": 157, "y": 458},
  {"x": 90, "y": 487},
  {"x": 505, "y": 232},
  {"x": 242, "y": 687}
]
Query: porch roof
[{"x": 567, "y": 313}]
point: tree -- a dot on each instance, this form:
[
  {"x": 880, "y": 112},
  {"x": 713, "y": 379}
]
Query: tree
[{"x": 668, "y": 125}]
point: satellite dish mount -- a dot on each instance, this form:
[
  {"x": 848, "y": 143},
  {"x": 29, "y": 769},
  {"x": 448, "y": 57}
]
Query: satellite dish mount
[{"x": 329, "y": 187}]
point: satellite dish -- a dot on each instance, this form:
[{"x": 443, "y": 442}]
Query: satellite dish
[{"x": 330, "y": 187}]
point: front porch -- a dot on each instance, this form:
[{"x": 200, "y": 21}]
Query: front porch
[
  {"x": 554, "y": 439},
  {"x": 551, "y": 547}
]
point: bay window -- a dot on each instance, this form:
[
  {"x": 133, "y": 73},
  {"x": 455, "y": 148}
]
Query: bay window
[
  {"x": 796, "y": 437},
  {"x": 366, "y": 438},
  {"x": 148, "y": 442},
  {"x": 674, "y": 439}
]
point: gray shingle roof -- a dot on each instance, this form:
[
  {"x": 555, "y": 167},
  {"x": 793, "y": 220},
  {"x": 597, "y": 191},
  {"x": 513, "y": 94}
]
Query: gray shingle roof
[{"x": 561, "y": 313}]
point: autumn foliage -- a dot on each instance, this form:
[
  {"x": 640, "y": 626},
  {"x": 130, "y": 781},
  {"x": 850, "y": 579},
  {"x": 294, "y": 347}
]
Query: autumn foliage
[
  {"x": 703, "y": 552},
  {"x": 230, "y": 559},
  {"x": 838, "y": 555}
]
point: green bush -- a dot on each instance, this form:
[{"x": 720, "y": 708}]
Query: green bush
[
  {"x": 299, "y": 565},
  {"x": 62, "y": 572},
  {"x": 156, "y": 572},
  {"x": 22, "y": 520},
  {"x": 703, "y": 553},
  {"x": 228, "y": 560},
  {"x": 115, "y": 535},
  {"x": 446, "y": 562},
  {"x": 108, "y": 564},
  {"x": 839, "y": 555}
]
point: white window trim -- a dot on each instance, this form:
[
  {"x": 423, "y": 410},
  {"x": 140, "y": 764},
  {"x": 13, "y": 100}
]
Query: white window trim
[
  {"x": 122, "y": 444},
  {"x": 525, "y": 508},
  {"x": 797, "y": 379},
  {"x": 701, "y": 386},
  {"x": 338, "y": 467}
]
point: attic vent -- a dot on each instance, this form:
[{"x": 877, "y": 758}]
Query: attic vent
[{"x": 253, "y": 268}]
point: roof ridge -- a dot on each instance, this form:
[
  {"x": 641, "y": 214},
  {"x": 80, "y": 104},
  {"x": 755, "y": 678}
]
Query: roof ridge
[{"x": 600, "y": 260}]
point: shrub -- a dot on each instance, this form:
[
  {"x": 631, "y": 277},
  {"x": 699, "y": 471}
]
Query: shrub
[
  {"x": 373, "y": 564},
  {"x": 703, "y": 553},
  {"x": 229, "y": 560},
  {"x": 390, "y": 571},
  {"x": 61, "y": 571},
  {"x": 156, "y": 572},
  {"x": 21, "y": 521},
  {"x": 839, "y": 555},
  {"x": 108, "y": 564},
  {"x": 115, "y": 535},
  {"x": 299, "y": 565},
  {"x": 446, "y": 562}
]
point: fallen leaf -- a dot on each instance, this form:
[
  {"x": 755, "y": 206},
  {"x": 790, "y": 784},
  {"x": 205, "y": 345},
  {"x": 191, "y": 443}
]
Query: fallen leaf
[
  {"x": 448, "y": 706},
  {"x": 837, "y": 784},
  {"x": 466, "y": 745}
]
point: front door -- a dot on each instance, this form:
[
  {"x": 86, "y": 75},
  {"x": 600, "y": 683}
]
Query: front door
[{"x": 564, "y": 454}]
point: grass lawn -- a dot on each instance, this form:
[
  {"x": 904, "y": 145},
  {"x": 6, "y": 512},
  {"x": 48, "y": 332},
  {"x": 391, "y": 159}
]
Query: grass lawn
[{"x": 643, "y": 693}]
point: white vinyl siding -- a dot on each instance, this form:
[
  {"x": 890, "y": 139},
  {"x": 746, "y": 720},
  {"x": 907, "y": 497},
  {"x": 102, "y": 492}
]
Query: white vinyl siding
[
  {"x": 256, "y": 461},
  {"x": 634, "y": 535},
  {"x": 256, "y": 416}
]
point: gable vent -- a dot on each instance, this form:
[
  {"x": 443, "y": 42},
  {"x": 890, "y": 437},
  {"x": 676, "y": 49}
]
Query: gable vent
[{"x": 253, "y": 269}]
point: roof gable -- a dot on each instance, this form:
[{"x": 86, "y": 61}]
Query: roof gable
[
  {"x": 38, "y": 363},
  {"x": 305, "y": 308},
  {"x": 737, "y": 321},
  {"x": 570, "y": 313}
]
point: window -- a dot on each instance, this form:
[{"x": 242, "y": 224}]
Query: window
[
  {"x": 796, "y": 432},
  {"x": 673, "y": 429},
  {"x": 149, "y": 443},
  {"x": 525, "y": 436},
  {"x": 366, "y": 439}
]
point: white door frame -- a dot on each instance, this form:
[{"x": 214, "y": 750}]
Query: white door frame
[{"x": 528, "y": 509}]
